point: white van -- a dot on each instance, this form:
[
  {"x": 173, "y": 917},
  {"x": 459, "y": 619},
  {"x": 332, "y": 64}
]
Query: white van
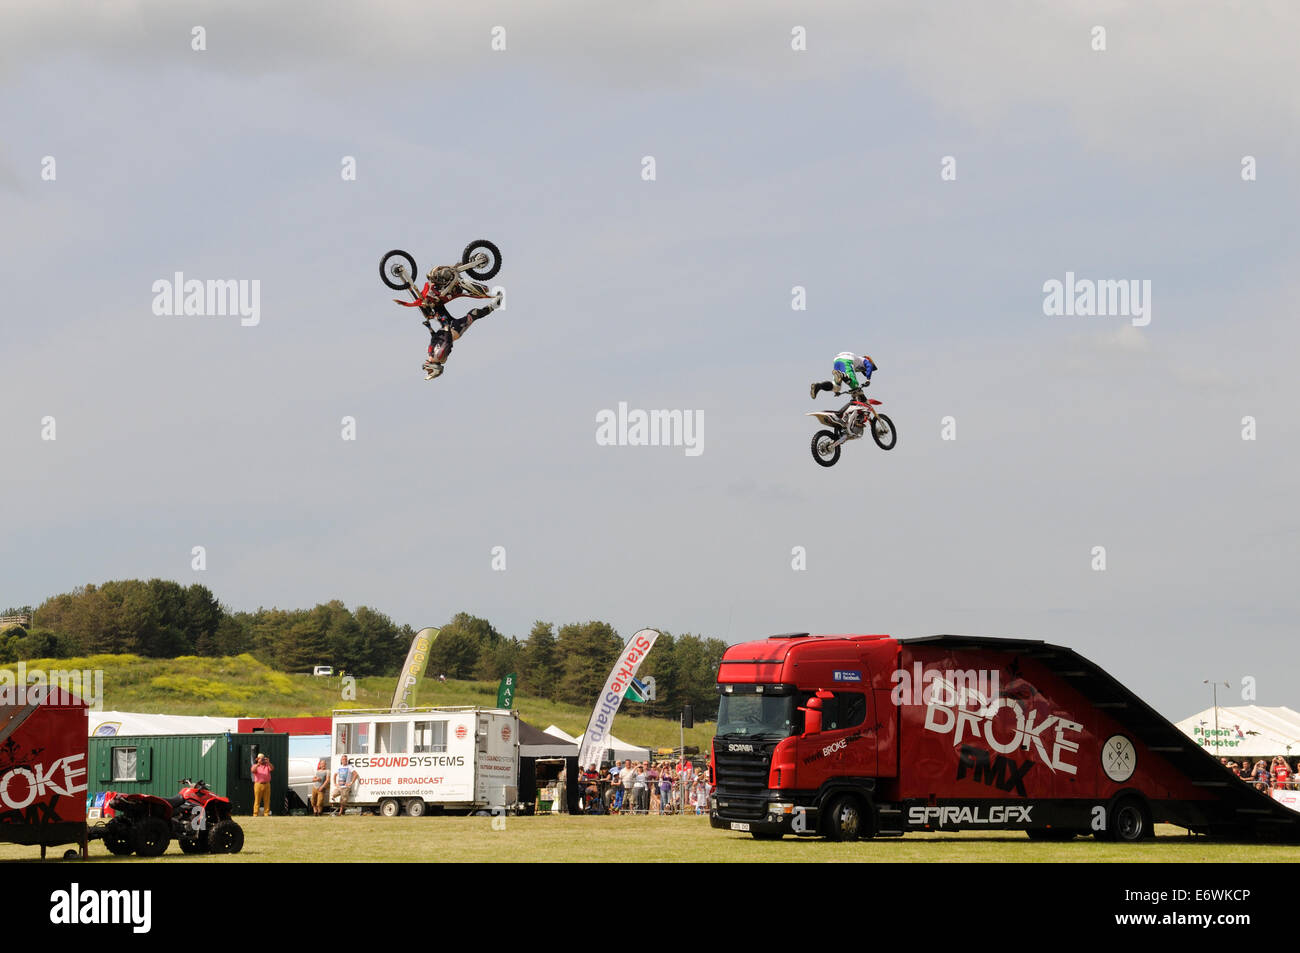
[
  {"x": 449, "y": 759},
  {"x": 323, "y": 670}
]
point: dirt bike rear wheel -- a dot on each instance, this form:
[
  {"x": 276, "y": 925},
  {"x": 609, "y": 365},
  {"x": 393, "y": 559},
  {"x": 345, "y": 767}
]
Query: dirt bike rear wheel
[
  {"x": 493, "y": 265},
  {"x": 889, "y": 437},
  {"x": 822, "y": 451},
  {"x": 389, "y": 262}
]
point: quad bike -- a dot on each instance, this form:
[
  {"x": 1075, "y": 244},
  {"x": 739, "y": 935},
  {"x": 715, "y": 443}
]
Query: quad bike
[
  {"x": 144, "y": 824},
  {"x": 849, "y": 423}
]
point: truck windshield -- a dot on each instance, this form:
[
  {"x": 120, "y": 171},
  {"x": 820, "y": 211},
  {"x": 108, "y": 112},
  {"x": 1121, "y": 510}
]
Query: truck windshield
[{"x": 753, "y": 716}]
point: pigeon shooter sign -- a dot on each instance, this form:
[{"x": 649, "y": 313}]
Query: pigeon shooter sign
[{"x": 611, "y": 696}]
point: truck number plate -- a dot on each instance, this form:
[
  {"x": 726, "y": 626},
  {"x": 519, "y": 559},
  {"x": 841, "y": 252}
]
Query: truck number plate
[{"x": 738, "y": 826}]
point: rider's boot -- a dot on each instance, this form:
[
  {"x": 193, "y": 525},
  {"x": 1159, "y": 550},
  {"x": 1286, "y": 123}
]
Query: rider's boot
[
  {"x": 818, "y": 386},
  {"x": 477, "y": 313}
]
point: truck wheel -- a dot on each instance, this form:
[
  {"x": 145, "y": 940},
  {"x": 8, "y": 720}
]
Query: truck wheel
[
  {"x": 117, "y": 838},
  {"x": 846, "y": 821},
  {"x": 226, "y": 837},
  {"x": 415, "y": 807},
  {"x": 389, "y": 807},
  {"x": 1129, "y": 822},
  {"x": 151, "y": 837}
]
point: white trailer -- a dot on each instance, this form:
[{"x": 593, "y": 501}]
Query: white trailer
[{"x": 455, "y": 759}]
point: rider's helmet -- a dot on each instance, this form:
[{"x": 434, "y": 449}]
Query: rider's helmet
[{"x": 443, "y": 277}]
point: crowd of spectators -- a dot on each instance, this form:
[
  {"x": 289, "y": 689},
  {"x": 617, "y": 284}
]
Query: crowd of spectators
[
  {"x": 1265, "y": 775},
  {"x": 646, "y": 787}
]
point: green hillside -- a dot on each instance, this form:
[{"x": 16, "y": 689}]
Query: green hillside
[{"x": 241, "y": 686}]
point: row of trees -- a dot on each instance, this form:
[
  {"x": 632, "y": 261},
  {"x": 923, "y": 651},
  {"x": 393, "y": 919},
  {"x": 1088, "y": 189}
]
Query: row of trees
[
  {"x": 163, "y": 619},
  {"x": 570, "y": 664}
]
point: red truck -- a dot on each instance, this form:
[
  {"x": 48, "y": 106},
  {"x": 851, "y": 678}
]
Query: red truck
[{"x": 864, "y": 735}]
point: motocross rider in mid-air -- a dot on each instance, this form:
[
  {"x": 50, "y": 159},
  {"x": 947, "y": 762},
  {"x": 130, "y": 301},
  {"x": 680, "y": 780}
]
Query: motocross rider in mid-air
[
  {"x": 444, "y": 285},
  {"x": 850, "y": 370}
]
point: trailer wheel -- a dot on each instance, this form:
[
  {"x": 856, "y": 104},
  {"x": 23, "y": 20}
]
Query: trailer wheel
[
  {"x": 389, "y": 807},
  {"x": 846, "y": 821},
  {"x": 415, "y": 807},
  {"x": 1130, "y": 822}
]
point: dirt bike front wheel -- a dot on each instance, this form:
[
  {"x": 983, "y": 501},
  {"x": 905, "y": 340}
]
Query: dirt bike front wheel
[
  {"x": 389, "y": 271},
  {"x": 822, "y": 450},
  {"x": 487, "y": 271},
  {"x": 883, "y": 432}
]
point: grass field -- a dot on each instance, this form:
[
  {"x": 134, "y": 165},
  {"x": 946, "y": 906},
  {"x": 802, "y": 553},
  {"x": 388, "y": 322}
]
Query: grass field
[{"x": 653, "y": 839}]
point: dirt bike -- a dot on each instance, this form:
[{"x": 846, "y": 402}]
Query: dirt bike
[
  {"x": 849, "y": 423},
  {"x": 144, "y": 824},
  {"x": 481, "y": 260}
]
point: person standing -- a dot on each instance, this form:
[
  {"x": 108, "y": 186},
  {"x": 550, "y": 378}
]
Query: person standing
[
  {"x": 640, "y": 791},
  {"x": 261, "y": 772},
  {"x": 561, "y": 803},
  {"x": 685, "y": 774},
  {"x": 320, "y": 785},
  {"x": 628, "y": 779},
  {"x": 344, "y": 778},
  {"x": 616, "y": 783}
]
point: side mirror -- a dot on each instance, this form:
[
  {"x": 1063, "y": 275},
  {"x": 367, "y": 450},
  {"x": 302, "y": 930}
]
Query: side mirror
[{"x": 812, "y": 712}]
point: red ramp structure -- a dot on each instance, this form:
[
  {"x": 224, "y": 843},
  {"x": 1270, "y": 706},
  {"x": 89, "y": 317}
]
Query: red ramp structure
[{"x": 43, "y": 769}]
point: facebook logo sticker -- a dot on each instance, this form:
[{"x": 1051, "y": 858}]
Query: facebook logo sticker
[{"x": 847, "y": 676}]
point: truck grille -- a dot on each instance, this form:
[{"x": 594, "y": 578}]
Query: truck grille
[{"x": 741, "y": 775}]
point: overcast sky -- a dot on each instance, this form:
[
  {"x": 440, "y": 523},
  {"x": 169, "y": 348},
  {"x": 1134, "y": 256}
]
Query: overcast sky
[{"x": 774, "y": 168}]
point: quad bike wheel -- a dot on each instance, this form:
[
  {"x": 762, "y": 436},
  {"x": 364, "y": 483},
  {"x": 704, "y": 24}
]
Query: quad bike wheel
[
  {"x": 193, "y": 845},
  {"x": 388, "y": 272},
  {"x": 487, "y": 271},
  {"x": 150, "y": 837},
  {"x": 822, "y": 450},
  {"x": 117, "y": 837},
  {"x": 226, "y": 837},
  {"x": 883, "y": 432}
]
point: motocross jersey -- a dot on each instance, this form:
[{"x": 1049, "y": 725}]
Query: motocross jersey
[{"x": 848, "y": 366}]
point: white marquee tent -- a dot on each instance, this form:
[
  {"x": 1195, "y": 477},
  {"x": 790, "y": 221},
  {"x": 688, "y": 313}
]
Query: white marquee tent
[
  {"x": 1247, "y": 732},
  {"x": 136, "y": 723}
]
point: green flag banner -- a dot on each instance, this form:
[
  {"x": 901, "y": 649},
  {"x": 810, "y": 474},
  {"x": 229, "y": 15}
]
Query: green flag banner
[
  {"x": 506, "y": 691},
  {"x": 637, "y": 691}
]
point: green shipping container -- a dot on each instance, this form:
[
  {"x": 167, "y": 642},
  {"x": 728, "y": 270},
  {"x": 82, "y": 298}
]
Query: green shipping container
[{"x": 155, "y": 764}]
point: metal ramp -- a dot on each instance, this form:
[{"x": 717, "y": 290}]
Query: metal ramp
[{"x": 1237, "y": 810}]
